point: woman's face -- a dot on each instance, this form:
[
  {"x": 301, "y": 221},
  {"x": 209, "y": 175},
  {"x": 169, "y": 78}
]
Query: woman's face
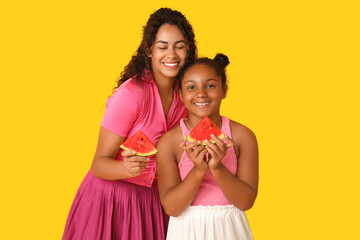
[
  {"x": 202, "y": 91},
  {"x": 168, "y": 52}
]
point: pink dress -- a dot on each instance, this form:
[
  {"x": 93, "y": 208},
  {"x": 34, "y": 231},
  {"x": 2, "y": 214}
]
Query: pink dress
[
  {"x": 127, "y": 208},
  {"x": 211, "y": 215}
]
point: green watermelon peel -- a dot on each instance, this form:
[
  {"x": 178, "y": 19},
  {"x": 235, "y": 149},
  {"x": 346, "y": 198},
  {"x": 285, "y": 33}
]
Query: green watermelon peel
[
  {"x": 203, "y": 130},
  {"x": 140, "y": 143}
]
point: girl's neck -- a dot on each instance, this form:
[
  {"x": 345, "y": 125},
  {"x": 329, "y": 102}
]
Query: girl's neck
[{"x": 193, "y": 120}]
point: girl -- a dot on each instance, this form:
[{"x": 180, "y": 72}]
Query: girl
[
  {"x": 206, "y": 189},
  {"x": 118, "y": 198}
]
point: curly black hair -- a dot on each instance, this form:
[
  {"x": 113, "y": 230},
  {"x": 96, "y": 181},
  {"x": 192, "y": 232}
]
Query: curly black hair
[
  {"x": 219, "y": 63},
  {"x": 140, "y": 59}
]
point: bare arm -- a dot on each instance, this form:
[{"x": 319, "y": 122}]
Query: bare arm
[
  {"x": 240, "y": 190},
  {"x": 104, "y": 164},
  {"x": 177, "y": 195}
]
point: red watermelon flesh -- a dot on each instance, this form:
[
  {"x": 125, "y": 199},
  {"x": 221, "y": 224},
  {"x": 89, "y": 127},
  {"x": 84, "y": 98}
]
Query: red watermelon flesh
[
  {"x": 203, "y": 131},
  {"x": 140, "y": 143}
]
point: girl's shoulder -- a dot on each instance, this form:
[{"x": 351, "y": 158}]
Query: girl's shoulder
[
  {"x": 240, "y": 132},
  {"x": 173, "y": 137}
]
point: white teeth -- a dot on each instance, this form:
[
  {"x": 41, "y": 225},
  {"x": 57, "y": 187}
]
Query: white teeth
[
  {"x": 171, "y": 64},
  {"x": 201, "y": 104}
]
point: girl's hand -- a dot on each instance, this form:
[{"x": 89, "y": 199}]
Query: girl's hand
[
  {"x": 196, "y": 153},
  {"x": 133, "y": 165},
  {"x": 217, "y": 151}
]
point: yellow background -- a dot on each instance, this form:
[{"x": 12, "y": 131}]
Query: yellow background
[{"x": 294, "y": 80}]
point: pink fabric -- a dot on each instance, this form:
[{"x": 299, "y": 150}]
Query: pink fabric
[
  {"x": 115, "y": 210},
  {"x": 209, "y": 194},
  {"x": 133, "y": 107}
]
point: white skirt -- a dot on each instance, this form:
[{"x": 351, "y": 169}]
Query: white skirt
[{"x": 211, "y": 223}]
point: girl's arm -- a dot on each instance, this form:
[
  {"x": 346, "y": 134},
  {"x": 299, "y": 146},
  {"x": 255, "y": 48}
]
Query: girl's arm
[
  {"x": 177, "y": 195},
  {"x": 104, "y": 164},
  {"x": 240, "y": 190}
]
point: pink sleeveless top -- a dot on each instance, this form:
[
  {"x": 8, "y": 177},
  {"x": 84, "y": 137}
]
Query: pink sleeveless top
[{"x": 209, "y": 193}]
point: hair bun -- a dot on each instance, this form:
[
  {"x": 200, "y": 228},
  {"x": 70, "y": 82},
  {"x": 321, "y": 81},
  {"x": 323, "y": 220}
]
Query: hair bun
[{"x": 222, "y": 60}]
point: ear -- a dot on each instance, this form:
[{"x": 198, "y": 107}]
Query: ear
[
  {"x": 181, "y": 96},
  {"x": 225, "y": 91}
]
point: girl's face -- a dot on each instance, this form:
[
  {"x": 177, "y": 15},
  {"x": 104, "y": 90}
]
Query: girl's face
[
  {"x": 202, "y": 91},
  {"x": 168, "y": 52}
]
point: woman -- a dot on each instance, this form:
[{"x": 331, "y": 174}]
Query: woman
[{"x": 118, "y": 198}]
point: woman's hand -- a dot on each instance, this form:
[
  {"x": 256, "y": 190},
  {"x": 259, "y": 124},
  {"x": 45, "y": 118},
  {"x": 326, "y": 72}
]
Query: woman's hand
[
  {"x": 217, "y": 151},
  {"x": 196, "y": 153},
  {"x": 133, "y": 164}
]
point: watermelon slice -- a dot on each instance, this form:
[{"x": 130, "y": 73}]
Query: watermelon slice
[
  {"x": 140, "y": 143},
  {"x": 203, "y": 131}
]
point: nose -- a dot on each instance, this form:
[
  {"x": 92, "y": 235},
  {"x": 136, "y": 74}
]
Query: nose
[
  {"x": 171, "y": 52},
  {"x": 201, "y": 92}
]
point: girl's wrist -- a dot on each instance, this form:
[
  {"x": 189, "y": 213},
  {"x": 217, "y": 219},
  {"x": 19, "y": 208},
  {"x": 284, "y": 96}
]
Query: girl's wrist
[
  {"x": 216, "y": 169},
  {"x": 199, "y": 172}
]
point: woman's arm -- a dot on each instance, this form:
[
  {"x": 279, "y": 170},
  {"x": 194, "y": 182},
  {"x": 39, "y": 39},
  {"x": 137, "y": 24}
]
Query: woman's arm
[
  {"x": 177, "y": 195},
  {"x": 104, "y": 164},
  {"x": 240, "y": 190}
]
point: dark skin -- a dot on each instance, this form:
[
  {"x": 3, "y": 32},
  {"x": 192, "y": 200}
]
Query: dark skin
[{"x": 241, "y": 189}]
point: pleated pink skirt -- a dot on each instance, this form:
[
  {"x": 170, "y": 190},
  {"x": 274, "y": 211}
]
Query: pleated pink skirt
[{"x": 104, "y": 210}]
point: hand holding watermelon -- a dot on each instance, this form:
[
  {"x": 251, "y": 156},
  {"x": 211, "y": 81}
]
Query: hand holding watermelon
[
  {"x": 217, "y": 151},
  {"x": 133, "y": 164},
  {"x": 196, "y": 153},
  {"x": 137, "y": 148},
  {"x": 206, "y": 137}
]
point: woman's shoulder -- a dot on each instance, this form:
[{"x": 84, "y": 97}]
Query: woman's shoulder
[{"x": 132, "y": 89}]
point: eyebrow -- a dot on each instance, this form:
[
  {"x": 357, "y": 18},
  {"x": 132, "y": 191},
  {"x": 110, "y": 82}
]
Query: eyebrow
[
  {"x": 161, "y": 41},
  {"x": 207, "y": 80},
  {"x": 190, "y": 81}
]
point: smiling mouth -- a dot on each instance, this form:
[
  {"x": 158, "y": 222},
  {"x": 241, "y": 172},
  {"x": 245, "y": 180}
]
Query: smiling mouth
[
  {"x": 171, "y": 64},
  {"x": 202, "y": 104}
]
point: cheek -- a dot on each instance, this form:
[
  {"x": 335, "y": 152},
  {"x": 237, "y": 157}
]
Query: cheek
[
  {"x": 186, "y": 99},
  {"x": 183, "y": 54}
]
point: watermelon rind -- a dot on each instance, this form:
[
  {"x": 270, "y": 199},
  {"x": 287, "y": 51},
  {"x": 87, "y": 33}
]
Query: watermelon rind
[
  {"x": 190, "y": 139},
  {"x": 137, "y": 135},
  {"x": 140, "y": 154}
]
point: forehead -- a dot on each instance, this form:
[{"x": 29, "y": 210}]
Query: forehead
[
  {"x": 169, "y": 33},
  {"x": 201, "y": 71}
]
